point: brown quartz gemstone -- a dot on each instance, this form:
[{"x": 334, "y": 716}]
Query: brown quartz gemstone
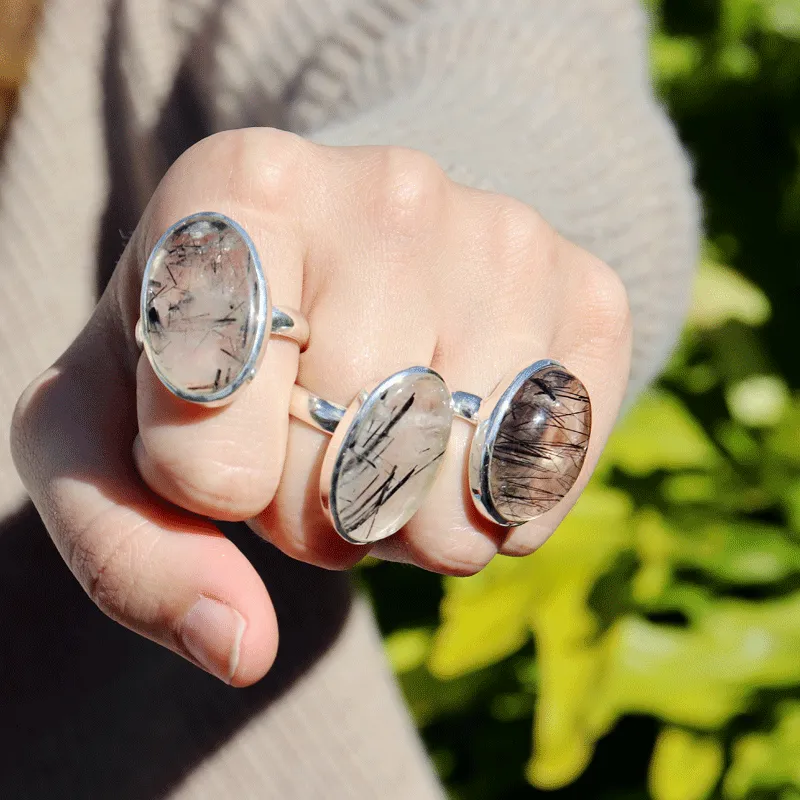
[{"x": 540, "y": 445}]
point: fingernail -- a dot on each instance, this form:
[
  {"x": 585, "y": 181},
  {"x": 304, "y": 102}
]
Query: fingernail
[{"x": 212, "y": 634}]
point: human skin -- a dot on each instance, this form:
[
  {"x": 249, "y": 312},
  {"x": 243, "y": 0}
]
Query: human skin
[{"x": 394, "y": 265}]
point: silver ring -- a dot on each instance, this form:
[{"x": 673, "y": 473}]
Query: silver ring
[
  {"x": 385, "y": 452},
  {"x": 206, "y": 311},
  {"x": 530, "y": 443}
]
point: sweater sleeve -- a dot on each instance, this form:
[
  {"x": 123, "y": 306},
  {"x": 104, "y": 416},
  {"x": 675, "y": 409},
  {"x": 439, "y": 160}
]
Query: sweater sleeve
[{"x": 547, "y": 101}]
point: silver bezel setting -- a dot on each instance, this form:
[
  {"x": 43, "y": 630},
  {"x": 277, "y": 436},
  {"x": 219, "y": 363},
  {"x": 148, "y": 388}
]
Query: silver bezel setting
[
  {"x": 263, "y": 316},
  {"x": 335, "y": 452},
  {"x": 489, "y": 417}
]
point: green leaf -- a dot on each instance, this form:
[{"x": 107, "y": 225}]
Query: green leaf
[
  {"x": 703, "y": 675},
  {"x": 674, "y": 58},
  {"x": 483, "y": 619},
  {"x": 758, "y": 401},
  {"x": 685, "y": 765},
  {"x": 791, "y": 502},
  {"x": 408, "y": 648},
  {"x": 430, "y": 698},
  {"x": 565, "y": 571},
  {"x": 738, "y": 352},
  {"x": 783, "y": 17},
  {"x": 489, "y": 616},
  {"x": 783, "y": 440},
  {"x": 732, "y": 552},
  {"x": 762, "y": 763},
  {"x": 740, "y": 17},
  {"x": 722, "y": 294},
  {"x": 738, "y": 61},
  {"x": 660, "y": 433}
]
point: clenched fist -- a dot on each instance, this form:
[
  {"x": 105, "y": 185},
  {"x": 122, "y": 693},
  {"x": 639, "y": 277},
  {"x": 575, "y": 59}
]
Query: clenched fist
[{"x": 393, "y": 265}]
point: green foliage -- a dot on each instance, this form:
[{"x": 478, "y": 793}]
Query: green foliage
[{"x": 651, "y": 649}]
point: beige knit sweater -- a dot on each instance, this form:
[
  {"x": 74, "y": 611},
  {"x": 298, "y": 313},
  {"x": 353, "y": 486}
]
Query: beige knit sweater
[{"x": 546, "y": 100}]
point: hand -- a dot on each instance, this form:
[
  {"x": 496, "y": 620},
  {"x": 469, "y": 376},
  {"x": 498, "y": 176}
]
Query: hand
[{"x": 394, "y": 265}]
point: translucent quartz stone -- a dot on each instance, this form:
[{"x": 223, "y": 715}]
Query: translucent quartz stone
[
  {"x": 390, "y": 456},
  {"x": 540, "y": 445},
  {"x": 201, "y": 309}
]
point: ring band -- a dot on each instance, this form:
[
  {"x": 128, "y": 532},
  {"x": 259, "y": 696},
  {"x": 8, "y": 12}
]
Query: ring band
[
  {"x": 206, "y": 310},
  {"x": 385, "y": 451},
  {"x": 289, "y": 323},
  {"x": 530, "y": 442},
  {"x": 314, "y": 411}
]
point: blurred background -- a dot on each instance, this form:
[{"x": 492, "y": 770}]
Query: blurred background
[{"x": 652, "y": 648}]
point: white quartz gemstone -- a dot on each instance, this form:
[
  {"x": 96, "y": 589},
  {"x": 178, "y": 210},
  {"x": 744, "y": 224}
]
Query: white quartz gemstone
[
  {"x": 203, "y": 308},
  {"x": 390, "y": 455}
]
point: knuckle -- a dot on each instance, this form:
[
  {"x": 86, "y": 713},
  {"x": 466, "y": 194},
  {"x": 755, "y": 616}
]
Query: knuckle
[
  {"x": 277, "y": 160},
  {"x": 259, "y": 166},
  {"x": 442, "y": 564},
  {"x": 523, "y": 242},
  {"x": 461, "y": 554},
  {"x": 334, "y": 556},
  {"x": 222, "y": 490},
  {"x": 106, "y": 556},
  {"x": 410, "y": 192},
  {"x": 605, "y": 310},
  {"x": 516, "y": 550},
  {"x": 525, "y": 540},
  {"x": 302, "y": 542}
]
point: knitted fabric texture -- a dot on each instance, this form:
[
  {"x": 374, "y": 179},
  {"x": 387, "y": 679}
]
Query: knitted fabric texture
[{"x": 547, "y": 101}]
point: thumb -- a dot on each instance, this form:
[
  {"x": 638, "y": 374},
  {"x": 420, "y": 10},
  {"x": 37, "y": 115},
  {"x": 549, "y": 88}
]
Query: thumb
[{"x": 161, "y": 571}]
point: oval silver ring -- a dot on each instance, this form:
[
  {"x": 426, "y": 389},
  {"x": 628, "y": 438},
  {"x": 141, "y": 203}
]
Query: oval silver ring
[
  {"x": 530, "y": 443},
  {"x": 206, "y": 311},
  {"x": 385, "y": 451}
]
